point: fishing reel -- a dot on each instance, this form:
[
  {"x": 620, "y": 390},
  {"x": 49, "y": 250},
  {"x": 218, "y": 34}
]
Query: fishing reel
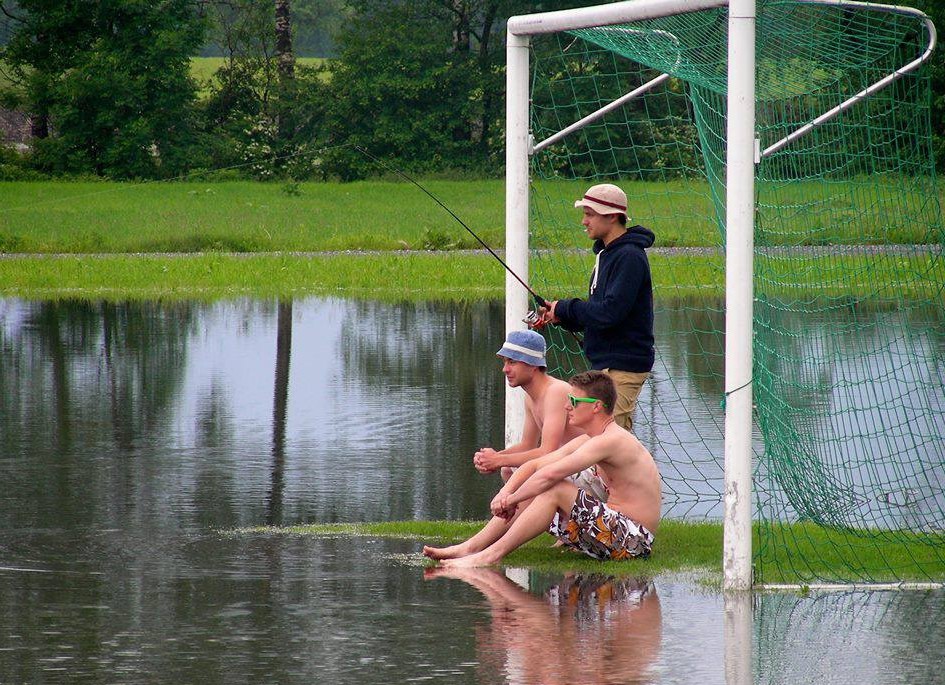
[{"x": 534, "y": 320}]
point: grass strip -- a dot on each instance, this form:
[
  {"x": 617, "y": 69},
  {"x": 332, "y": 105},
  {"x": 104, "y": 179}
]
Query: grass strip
[
  {"x": 450, "y": 276},
  {"x": 683, "y": 546},
  {"x": 696, "y": 548},
  {"x": 54, "y": 217}
]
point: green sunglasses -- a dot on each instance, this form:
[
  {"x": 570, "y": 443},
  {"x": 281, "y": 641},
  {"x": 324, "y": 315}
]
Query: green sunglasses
[{"x": 574, "y": 400}]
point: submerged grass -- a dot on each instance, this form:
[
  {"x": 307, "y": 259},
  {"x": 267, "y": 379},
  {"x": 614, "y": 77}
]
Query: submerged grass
[{"x": 696, "y": 548}]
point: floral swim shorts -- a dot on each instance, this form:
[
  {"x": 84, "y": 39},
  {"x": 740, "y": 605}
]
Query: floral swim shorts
[{"x": 601, "y": 532}]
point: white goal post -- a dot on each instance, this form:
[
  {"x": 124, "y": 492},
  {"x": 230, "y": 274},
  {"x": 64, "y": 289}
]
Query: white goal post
[{"x": 739, "y": 229}]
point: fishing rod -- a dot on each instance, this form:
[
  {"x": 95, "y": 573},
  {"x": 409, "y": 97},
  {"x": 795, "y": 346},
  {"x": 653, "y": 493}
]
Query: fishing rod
[{"x": 539, "y": 300}]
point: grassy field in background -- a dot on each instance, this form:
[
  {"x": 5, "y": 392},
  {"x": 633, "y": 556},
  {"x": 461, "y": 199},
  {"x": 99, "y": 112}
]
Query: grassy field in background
[
  {"x": 245, "y": 216},
  {"x": 203, "y": 68},
  {"x": 692, "y": 547}
]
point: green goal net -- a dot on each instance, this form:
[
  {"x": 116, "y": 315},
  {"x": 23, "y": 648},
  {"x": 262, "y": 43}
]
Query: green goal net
[{"x": 849, "y": 320}]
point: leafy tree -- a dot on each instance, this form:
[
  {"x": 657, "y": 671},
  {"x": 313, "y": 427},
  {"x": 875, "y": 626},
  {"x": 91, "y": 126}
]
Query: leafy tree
[
  {"x": 265, "y": 106},
  {"x": 113, "y": 78},
  {"x": 422, "y": 82}
]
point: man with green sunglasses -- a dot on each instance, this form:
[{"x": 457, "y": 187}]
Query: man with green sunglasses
[{"x": 539, "y": 497}]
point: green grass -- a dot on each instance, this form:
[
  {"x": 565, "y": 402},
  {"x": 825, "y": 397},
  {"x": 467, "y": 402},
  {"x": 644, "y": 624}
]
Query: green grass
[
  {"x": 56, "y": 217},
  {"x": 367, "y": 227},
  {"x": 201, "y": 68},
  {"x": 76, "y": 217},
  {"x": 801, "y": 552},
  {"x": 397, "y": 276},
  {"x": 696, "y": 548},
  {"x": 682, "y": 546}
]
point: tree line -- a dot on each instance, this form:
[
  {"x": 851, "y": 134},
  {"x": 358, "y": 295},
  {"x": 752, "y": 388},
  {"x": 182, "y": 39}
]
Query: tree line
[{"x": 108, "y": 87}]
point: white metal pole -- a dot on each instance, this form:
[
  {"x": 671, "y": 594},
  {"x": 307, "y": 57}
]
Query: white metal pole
[
  {"x": 739, "y": 271},
  {"x": 516, "y": 209}
]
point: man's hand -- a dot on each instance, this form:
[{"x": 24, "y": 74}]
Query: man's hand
[
  {"x": 501, "y": 506},
  {"x": 548, "y": 313},
  {"x": 487, "y": 460}
]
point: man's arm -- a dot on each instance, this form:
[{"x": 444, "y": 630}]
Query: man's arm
[
  {"x": 524, "y": 472},
  {"x": 627, "y": 278},
  {"x": 487, "y": 460},
  {"x": 552, "y": 435},
  {"x": 590, "y": 451}
]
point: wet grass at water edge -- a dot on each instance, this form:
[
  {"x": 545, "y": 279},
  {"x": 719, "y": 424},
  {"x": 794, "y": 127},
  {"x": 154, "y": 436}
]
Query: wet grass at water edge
[{"x": 862, "y": 556}]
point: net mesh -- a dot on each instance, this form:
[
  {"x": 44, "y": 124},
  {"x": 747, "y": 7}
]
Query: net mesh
[{"x": 849, "y": 346}]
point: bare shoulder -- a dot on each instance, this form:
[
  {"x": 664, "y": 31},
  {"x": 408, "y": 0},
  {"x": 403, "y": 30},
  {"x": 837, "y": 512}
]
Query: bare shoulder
[
  {"x": 556, "y": 392},
  {"x": 623, "y": 444}
]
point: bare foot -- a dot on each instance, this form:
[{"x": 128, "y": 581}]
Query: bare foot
[
  {"x": 470, "y": 561},
  {"x": 470, "y": 575},
  {"x": 450, "y": 552}
]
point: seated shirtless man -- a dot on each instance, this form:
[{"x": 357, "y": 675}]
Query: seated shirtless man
[
  {"x": 545, "y": 427},
  {"x": 539, "y": 497}
]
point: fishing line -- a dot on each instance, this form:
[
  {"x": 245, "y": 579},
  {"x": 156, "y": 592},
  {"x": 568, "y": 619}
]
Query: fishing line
[{"x": 540, "y": 301}]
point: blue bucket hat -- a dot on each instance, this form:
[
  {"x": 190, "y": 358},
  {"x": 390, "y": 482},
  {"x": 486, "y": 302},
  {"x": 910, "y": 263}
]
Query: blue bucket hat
[{"x": 524, "y": 346}]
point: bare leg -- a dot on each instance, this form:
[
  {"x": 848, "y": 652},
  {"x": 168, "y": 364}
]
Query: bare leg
[
  {"x": 527, "y": 524},
  {"x": 489, "y": 533}
]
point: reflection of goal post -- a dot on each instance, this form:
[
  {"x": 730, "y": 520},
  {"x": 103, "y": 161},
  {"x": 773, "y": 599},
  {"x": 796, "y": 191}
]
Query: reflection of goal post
[{"x": 740, "y": 150}]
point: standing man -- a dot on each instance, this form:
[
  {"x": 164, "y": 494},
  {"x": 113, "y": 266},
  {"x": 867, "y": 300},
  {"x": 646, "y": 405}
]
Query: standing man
[{"x": 617, "y": 317}]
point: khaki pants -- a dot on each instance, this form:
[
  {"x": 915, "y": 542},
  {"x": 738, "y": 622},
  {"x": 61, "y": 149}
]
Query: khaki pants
[{"x": 629, "y": 384}]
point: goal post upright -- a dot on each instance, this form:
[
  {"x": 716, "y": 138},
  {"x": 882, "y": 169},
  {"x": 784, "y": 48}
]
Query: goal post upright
[
  {"x": 739, "y": 283},
  {"x": 516, "y": 209}
]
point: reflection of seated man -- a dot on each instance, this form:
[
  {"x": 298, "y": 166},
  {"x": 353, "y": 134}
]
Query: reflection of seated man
[
  {"x": 546, "y": 426},
  {"x": 538, "y": 496},
  {"x": 587, "y": 629}
]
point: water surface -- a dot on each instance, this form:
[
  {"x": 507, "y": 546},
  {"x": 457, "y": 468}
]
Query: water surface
[{"x": 137, "y": 437}]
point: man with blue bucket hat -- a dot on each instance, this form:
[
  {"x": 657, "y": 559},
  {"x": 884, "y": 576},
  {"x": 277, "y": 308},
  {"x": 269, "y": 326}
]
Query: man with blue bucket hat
[{"x": 546, "y": 426}]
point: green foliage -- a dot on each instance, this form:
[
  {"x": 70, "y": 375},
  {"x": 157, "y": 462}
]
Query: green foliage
[
  {"x": 405, "y": 104},
  {"x": 264, "y": 124},
  {"x": 112, "y": 79},
  {"x": 420, "y": 83},
  {"x": 935, "y": 9}
]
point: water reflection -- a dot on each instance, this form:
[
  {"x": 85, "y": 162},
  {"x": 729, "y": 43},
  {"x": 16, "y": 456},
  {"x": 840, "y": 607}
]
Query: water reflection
[
  {"x": 235, "y": 413},
  {"x": 131, "y": 432},
  {"x": 583, "y": 629},
  {"x": 850, "y": 638}
]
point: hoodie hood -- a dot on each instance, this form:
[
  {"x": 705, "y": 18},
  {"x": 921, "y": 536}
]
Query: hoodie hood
[{"x": 640, "y": 236}]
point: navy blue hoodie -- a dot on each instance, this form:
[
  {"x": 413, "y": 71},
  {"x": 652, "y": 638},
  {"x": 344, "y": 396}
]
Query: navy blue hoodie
[{"x": 617, "y": 317}]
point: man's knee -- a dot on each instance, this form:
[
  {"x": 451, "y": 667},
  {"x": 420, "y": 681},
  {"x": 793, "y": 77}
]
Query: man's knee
[
  {"x": 562, "y": 494},
  {"x": 628, "y": 386}
]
